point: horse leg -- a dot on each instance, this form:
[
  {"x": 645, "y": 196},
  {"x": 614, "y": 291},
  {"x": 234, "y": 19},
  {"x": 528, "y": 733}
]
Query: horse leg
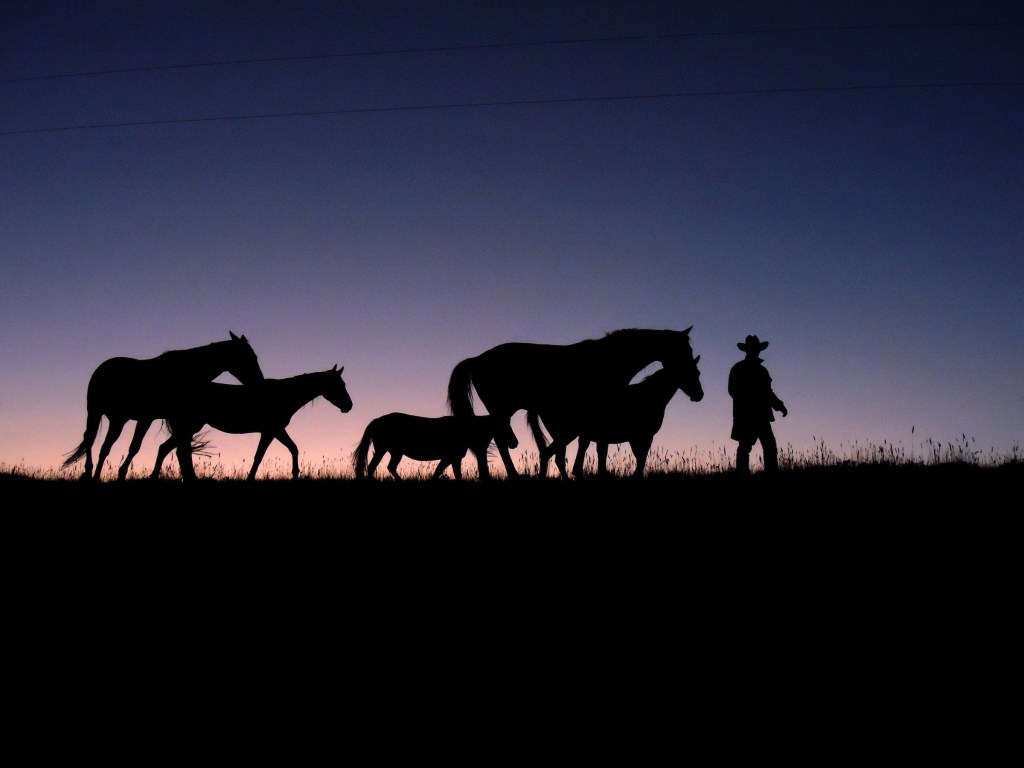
[
  {"x": 556, "y": 449},
  {"x": 113, "y": 432},
  {"x": 184, "y": 453},
  {"x": 480, "y": 453},
  {"x": 506, "y": 459},
  {"x": 641, "y": 447},
  {"x": 549, "y": 453},
  {"x": 581, "y": 455},
  {"x": 265, "y": 440},
  {"x": 141, "y": 428},
  {"x": 92, "y": 428},
  {"x": 563, "y": 469},
  {"x": 602, "y": 458},
  {"x": 161, "y": 455},
  {"x": 396, "y": 457},
  {"x": 374, "y": 462},
  {"x": 285, "y": 439},
  {"x": 442, "y": 465}
]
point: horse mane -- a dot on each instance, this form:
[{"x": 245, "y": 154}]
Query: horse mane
[
  {"x": 182, "y": 351},
  {"x": 645, "y": 331}
]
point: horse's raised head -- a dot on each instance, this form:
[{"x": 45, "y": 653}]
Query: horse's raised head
[
  {"x": 335, "y": 391},
  {"x": 243, "y": 363}
]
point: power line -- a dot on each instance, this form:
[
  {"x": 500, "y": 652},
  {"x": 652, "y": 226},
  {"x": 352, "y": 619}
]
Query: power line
[
  {"x": 484, "y": 46},
  {"x": 524, "y": 102}
]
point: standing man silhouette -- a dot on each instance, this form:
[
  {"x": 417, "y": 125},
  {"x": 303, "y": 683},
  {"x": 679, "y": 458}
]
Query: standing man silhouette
[{"x": 753, "y": 406}]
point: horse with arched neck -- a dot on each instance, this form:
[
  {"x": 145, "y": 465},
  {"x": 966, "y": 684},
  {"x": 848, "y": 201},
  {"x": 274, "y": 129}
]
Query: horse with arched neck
[
  {"x": 518, "y": 376},
  {"x": 142, "y": 390}
]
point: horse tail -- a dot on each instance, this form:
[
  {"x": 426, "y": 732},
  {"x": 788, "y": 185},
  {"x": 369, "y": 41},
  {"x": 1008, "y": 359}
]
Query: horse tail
[
  {"x": 75, "y": 455},
  {"x": 362, "y": 450},
  {"x": 200, "y": 445},
  {"x": 460, "y": 391},
  {"x": 92, "y": 427}
]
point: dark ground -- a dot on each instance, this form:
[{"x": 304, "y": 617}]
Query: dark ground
[{"x": 885, "y": 597}]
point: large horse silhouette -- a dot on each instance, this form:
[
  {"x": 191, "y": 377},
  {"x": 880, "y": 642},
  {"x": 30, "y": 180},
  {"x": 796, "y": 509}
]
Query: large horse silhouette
[
  {"x": 266, "y": 407},
  {"x": 446, "y": 439},
  {"x": 125, "y": 389},
  {"x": 634, "y": 417},
  {"x": 560, "y": 377}
]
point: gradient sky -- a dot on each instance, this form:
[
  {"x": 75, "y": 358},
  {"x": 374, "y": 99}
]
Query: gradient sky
[{"x": 761, "y": 181}]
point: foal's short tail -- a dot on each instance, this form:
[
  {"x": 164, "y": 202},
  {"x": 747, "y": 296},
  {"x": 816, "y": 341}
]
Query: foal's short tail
[
  {"x": 362, "y": 450},
  {"x": 460, "y": 392}
]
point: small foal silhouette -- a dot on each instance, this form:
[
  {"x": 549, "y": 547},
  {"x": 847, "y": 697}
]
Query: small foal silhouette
[{"x": 446, "y": 439}]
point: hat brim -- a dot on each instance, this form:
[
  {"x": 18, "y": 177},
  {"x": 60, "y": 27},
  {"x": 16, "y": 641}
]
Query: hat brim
[{"x": 748, "y": 348}]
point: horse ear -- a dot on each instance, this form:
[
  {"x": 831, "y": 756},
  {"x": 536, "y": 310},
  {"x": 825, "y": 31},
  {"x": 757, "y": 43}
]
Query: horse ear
[
  {"x": 233, "y": 335},
  {"x": 340, "y": 370},
  {"x": 688, "y": 329},
  {"x": 696, "y": 359}
]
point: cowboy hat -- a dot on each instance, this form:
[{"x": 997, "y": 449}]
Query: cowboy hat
[{"x": 752, "y": 344}]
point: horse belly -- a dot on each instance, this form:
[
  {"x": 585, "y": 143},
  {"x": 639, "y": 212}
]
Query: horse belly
[
  {"x": 232, "y": 409},
  {"x": 622, "y": 428},
  {"x": 432, "y": 449}
]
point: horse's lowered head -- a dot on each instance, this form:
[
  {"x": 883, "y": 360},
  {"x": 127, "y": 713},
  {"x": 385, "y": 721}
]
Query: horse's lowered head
[
  {"x": 503, "y": 432},
  {"x": 687, "y": 375},
  {"x": 242, "y": 362}
]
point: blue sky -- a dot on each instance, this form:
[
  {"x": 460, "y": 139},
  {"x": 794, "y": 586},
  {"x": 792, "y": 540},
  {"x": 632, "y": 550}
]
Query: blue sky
[{"x": 428, "y": 180}]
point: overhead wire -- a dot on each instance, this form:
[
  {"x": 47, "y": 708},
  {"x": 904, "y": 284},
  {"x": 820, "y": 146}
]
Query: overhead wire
[
  {"x": 524, "y": 44},
  {"x": 515, "y": 103},
  {"x": 505, "y": 103}
]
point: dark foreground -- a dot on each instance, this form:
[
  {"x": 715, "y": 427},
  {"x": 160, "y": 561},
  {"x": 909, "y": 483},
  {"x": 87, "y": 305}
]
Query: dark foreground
[{"x": 872, "y": 595}]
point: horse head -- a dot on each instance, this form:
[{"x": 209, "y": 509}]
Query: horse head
[
  {"x": 504, "y": 433},
  {"x": 336, "y": 393},
  {"x": 687, "y": 376}
]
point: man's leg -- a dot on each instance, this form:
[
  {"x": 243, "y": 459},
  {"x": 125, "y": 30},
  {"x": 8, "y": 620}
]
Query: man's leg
[
  {"x": 743, "y": 458},
  {"x": 770, "y": 450}
]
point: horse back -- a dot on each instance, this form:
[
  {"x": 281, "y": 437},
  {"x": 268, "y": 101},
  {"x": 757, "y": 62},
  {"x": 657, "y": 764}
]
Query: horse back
[
  {"x": 129, "y": 385},
  {"x": 426, "y": 438},
  {"x": 517, "y": 375}
]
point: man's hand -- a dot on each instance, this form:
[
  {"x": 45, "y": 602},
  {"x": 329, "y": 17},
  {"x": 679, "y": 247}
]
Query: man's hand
[{"x": 783, "y": 411}]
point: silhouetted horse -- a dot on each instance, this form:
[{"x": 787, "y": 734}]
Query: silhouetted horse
[
  {"x": 125, "y": 389},
  {"x": 266, "y": 407},
  {"x": 634, "y": 417},
  {"x": 581, "y": 376},
  {"x": 446, "y": 439}
]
